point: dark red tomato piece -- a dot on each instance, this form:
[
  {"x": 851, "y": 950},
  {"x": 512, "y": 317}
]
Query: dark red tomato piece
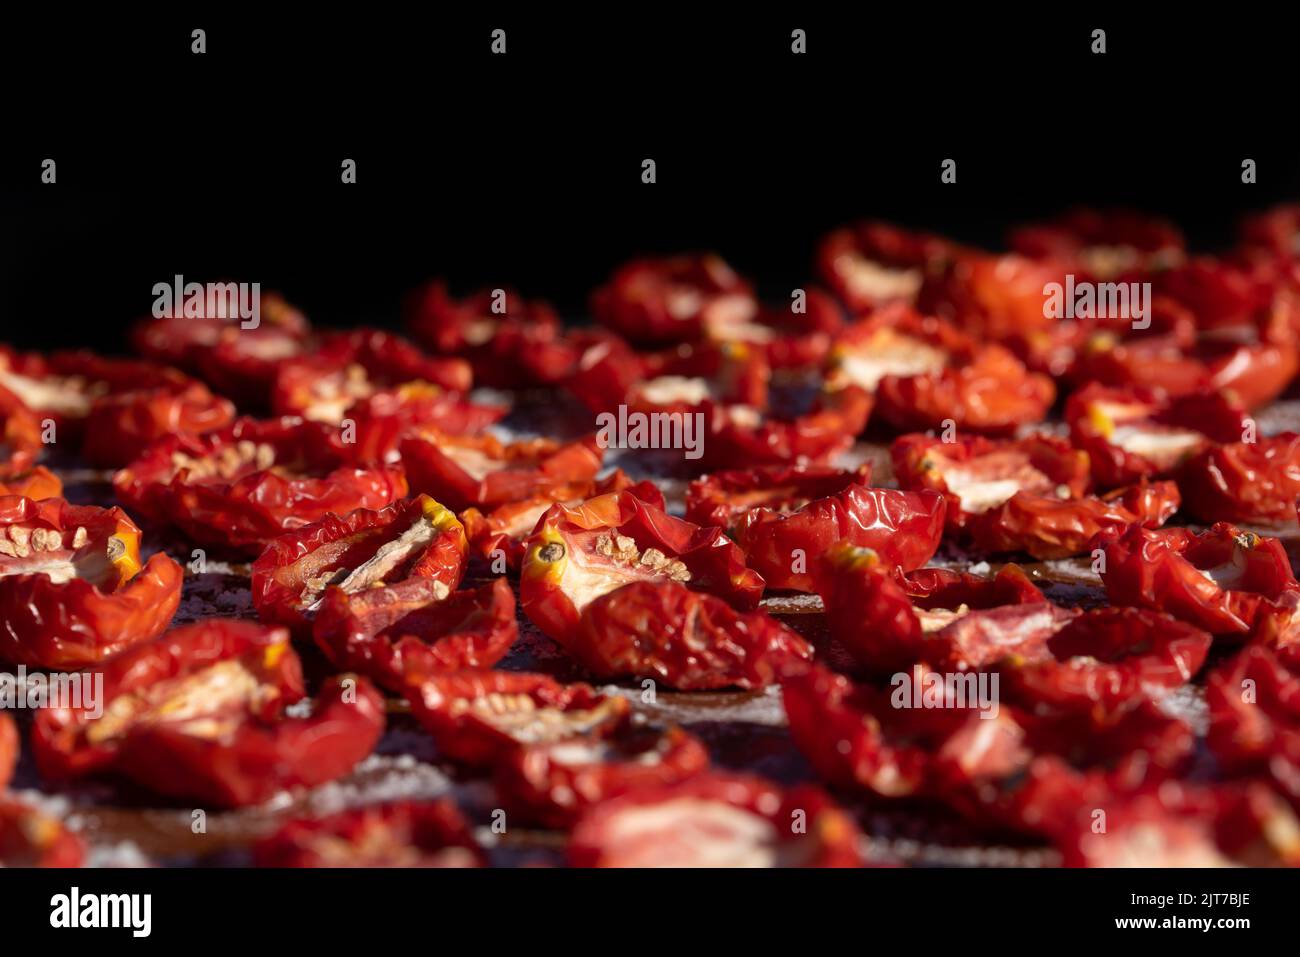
[
  {"x": 675, "y": 299},
  {"x": 384, "y": 418},
  {"x": 122, "y": 425},
  {"x": 739, "y": 435},
  {"x": 182, "y": 341},
  {"x": 873, "y": 264},
  {"x": 1249, "y": 482},
  {"x": 721, "y": 498},
  {"x": 36, "y": 482},
  {"x": 1103, "y": 245}
]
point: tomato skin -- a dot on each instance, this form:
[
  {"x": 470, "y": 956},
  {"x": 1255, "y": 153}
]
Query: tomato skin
[
  {"x": 243, "y": 511},
  {"x": 444, "y": 704},
  {"x": 282, "y": 572},
  {"x": 826, "y": 429},
  {"x": 1257, "y": 734},
  {"x": 830, "y": 840},
  {"x": 538, "y": 788},
  {"x": 904, "y": 528},
  {"x": 384, "y": 418},
  {"x": 9, "y": 748},
  {"x": 81, "y": 621},
  {"x": 516, "y": 470},
  {"x": 120, "y": 427},
  {"x": 1248, "y": 482},
  {"x": 35, "y": 483},
  {"x": 1103, "y": 245},
  {"x": 566, "y": 538},
  {"x": 1047, "y": 527},
  {"x": 720, "y": 498},
  {"x": 399, "y": 634},
  {"x": 31, "y": 838},
  {"x": 397, "y": 834},
  {"x": 185, "y": 342},
  {"x": 910, "y": 256},
  {"x": 683, "y": 639},
  {"x": 673, "y": 299},
  {"x": 1163, "y": 570}
]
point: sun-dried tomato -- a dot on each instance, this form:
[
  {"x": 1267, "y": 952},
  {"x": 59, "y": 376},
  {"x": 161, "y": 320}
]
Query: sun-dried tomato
[
  {"x": 995, "y": 298},
  {"x": 740, "y": 435},
  {"x": 675, "y": 299},
  {"x": 408, "y": 539},
  {"x": 1134, "y": 433},
  {"x": 683, "y": 639},
  {"x": 1255, "y": 483},
  {"x": 243, "y": 486},
  {"x": 32, "y": 838},
  {"x": 716, "y": 820},
  {"x": 554, "y": 784},
  {"x": 478, "y": 717},
  {"x": 121, "y": 426},
  {"x": 791, "y": 339},
  {"x": 976, "y": 474},
  {"x": 721, "y": 498},
  {"x": 1254, "y": 703},
  {"x": 501, "y": 532},
  {"x": 20, "y": 434},
  {"x": 182, "y": 341},
  {"x": 381, "y": 420},
  {"x": 399, "y": 834},
  {"x": 1103, "y": 246},
  {"x": 872, "y": 264},
  {"x": 904, "y": 528},
  {"x": 36, "y": 483},
  {"x": 199, "y": 714},
  {"x": 576, "y": 554},
  {"x": 482, "y": 471},
  {"x": 1048, "y": 527},
  {"x": 73, "y": 588},
  {"x": 1219, "y": 580},
  {"x": 399, "y": 634},
  {"x": 243, "y": 363}
]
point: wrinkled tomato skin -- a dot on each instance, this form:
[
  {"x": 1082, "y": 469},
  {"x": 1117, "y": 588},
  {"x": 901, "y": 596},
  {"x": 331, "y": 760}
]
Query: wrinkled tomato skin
[
  {"x": 716, "y": 564},
  {"x": 245, "y": 513},
  {"x": 1247, "y": 482},
  {"x": 30, "y": 838},
  {"x": 1046, "y": 527},
  {"x": 183, "y": 342},
  {"x": 830, "y": 838},
  {"x": 36, "y": 483},
  {"x": 527, "y": 468},
  {"x": 399, "y": 634},
  {"x": 280, "y": 573},
  {"x": 1104, "y": 245},
  {"x": 120, "y": 427},
  {"x": 438, "y": 702},
  {"x": 674, "y": 299},
  {"x": 904, "y": 528},
  {"x": 892, "y": 250},
  {"x": 58, "y": 739},
  {"x": 800, "y": 340},
  {"x": 540, "y": 790},
  {"x": 75, "y": 623},
  {"x": 384, "y": 418},
  {"x": 397, "y": 834},
  {"x": 1254, "y": 704},
  {"x": 828, "y": 428},
  {"x": 8, "y": 748},
  {"x": 684, "y": 640},
  {"x": 721, "y": 497},
  {"x": 1163, "y": 569},
  {"x": 244, "y": 363}
]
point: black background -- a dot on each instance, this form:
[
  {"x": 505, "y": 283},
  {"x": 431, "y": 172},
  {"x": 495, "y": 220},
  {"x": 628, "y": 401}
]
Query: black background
[{"x": 524, "y": 170}]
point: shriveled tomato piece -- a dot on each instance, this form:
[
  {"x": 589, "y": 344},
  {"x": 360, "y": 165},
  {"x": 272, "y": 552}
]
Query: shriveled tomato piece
[
  {"x": 382, "y": 419},
  {"x": 1048, "y": 527},
  {"x": 683, "y": 639},
  {"x": 1133, "y": 433},
  {"x": 740, "y": 435},
  {"x": 995, "y": 298},
  {"x": 478, "y": 717},
  {"x": 716, "y": 820},
  {"x": 399, "y": 834},
  {"x": 73, "y": 589},
  {"x": 796, "y": 336},
  {"x": 553, "y": 785},
  {"x": 398, "y": 634},
  {"x": 413, "y": 538},
  {"x": 20, "y": 434},
  {"x": 873, "y": 263},
  {"x": 1248, "y": 482},
  {"x": 1254, "y": 702},
  {"x": 241, "y": 487},
  {"x": 199, "y": 713},
  {"x": 721, "y": 498},
  {"x": 32, "y": 838},
  {"x": 35, "y": 483},
  {"x": 976, "y": 474},
  {"x": 904, "y": 528},
  {"x": 1103, "y": 245},
  {"x": 576, "y": 555},
  {"x": 483, "y": 471},
  {"x": 121, "y": 426},
  {"x": 243, "y": 363},
  {"x": 674, "y": 299},
  {"x": 1219, "y": 580},
  {"x": 183, "y": 341}
]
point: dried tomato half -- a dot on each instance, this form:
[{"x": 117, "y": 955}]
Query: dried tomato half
[
  {"x": 36, "y": 483},
  {"x": 1103, "y": 245},
  {"x": 888, "y": 620},
  {"x": 716, "y": 820},
  {"x": 399, "y": 634},
  {"x": 794, "y": 337},
  {"x": 245, "y": 485},
  {"x": 1249, "y": 482},
  {"x": 721, "y": 498},
  {"x": 576, "y": 554},
  {"x": 243, "y": 363},
  {"x": 183, "y": 341},
  {"x": 1134, "y": 433},
  {"x": 399, "y": 834},
  {"x": 501, "y": 533},
  {"x": 121, "y": 426},
  {"x": 740, "y": 435},
  {"x": 73, "y": 589},
  {"x": 20, "y": 434},
  {"x": 976, "y": 474},
  {"x": 1219, "y": 580},
  {"x": 675, "y": 299},
  {"x": 1254, "y": 703},
  {"x": 199, "y": 714},
  {"x": 872, "y": 264},
  {"x": 8, "y": 748},
  {"x": 382, "y": 419},
  {"x": 482, "y": 471},
  {"x": 553, "y": 785},
  {"x": 32, "y": 838},
  {"x": 904, "y": 528},
  {"x": 413, "y": 538},
  {"x": 1048, "y": 527},
  {"x": 478, "y": 717},
  {"x": 683, "y": 639},
  {"x": 995, "y": 298}
]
